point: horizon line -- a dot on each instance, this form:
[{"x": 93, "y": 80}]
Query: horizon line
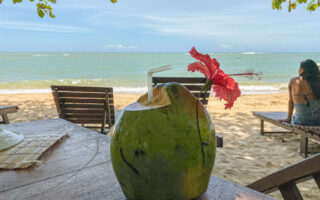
[{"x": 248, "y": 52}]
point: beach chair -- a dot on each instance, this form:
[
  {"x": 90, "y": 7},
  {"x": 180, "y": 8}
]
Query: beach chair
[
  {"x": 305, "y": 132},
  {"x": 92, "y": 107},
  {"x": 5, "y": 110},
  {"x": 194, "y": 84},
  {"x": 286, "y": 179}
]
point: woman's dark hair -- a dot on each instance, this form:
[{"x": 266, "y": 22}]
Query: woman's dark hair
[{"x": 311, "y": 74}]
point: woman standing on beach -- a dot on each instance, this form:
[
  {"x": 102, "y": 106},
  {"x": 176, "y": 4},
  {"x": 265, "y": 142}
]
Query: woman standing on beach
[{"x": 304, "y": 95}]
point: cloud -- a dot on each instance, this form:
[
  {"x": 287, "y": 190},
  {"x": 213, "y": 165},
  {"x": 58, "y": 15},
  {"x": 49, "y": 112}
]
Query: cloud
[
  {"x": 234, "y": 29},
  {"x": 119, "y": 47},
  {"x": 225, "y": 46},
  {"x": 28, "y": 26},
  {"x": 198, "y": 25}
]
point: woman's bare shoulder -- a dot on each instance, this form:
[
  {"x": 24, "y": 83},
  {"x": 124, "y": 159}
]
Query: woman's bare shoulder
[{"x": 295, "y": 80}]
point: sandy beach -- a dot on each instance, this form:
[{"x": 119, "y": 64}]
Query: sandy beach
[{"x": 245, "y": 157}]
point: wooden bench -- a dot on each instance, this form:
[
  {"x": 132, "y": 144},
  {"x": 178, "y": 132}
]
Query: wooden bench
[
  {"x": 305, "y": 132},
  {"x": 5, "y": 110},
  {"x": 194, "y": 84},
  {"x": 286, "y": 179},
  {"x": 92, "y": 107}
]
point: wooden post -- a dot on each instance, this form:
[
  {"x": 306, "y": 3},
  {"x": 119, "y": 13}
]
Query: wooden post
[
  {"x": 106, "y": 113},
  {"x": 261, "y": 127},
  {"x": 317, "y": 179},
  {"x": 103, "y": 125},
  {"x": 56, "y": 100},
  {"x": 5, "y": 119},
  {"x": 304, "y": 146},
  {"x": 290, "y": 192}
]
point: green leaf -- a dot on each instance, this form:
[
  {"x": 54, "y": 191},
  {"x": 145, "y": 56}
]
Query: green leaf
[
  {"x": 313, "y": 7},
  {"x": 40, "y": 13},
  {"x": 294, "y": 5}
]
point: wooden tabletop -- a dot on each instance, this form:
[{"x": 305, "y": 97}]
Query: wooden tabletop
[
  {"x": 8, "y": 109},
  {"x": 80, "y": 168}
]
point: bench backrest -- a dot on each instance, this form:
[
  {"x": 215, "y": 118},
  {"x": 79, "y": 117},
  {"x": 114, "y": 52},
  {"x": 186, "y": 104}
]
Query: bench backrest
[
  {"x": 286, "y": 179},
  {"x": 194, "y": 84},
  {"x": 93, "y": 107}
]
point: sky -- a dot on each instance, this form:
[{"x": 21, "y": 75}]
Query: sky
[{"x": 158, "y": 26}]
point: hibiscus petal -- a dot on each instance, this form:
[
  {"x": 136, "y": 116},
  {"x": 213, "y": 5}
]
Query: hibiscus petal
[
  {"x": 215, "y": 62},
  {"x": 198, "y": 66},
  {"x": 198, "y": 56},
  {"x": 210, "y": 64},
  {"x": 224, "y": 86},
  {"x": 228, "y": 95}
]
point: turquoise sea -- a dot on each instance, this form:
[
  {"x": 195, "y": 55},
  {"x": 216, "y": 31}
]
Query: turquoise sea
[{"x": 127, "y": 72}]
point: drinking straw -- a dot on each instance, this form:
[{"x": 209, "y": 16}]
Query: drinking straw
[{"x": 150, "y": 73}]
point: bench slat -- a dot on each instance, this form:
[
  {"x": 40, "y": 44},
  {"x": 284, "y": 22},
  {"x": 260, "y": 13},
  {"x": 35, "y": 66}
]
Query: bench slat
[
  {"x": 82, "y": 88},
  {"x": 159, "y": 80},
  {"x": 86, "y": 106},
  {"x": 87, "y": 95},
  {"x": 85, "y": 121},
  {"x": 86, "y": 100}
]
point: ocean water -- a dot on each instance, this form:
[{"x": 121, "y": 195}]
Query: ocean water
[{"x": 127, "y": 72}]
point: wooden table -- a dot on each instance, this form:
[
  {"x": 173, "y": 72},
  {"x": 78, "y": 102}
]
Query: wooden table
[
  {"x": 80, "y": 168},
  {"x": 4, "y": 110}
]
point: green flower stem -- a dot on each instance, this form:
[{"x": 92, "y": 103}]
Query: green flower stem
[{"x": 205, "y": 89}]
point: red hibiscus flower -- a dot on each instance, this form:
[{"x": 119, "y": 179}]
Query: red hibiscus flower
[{"x": 223, "y": 85}]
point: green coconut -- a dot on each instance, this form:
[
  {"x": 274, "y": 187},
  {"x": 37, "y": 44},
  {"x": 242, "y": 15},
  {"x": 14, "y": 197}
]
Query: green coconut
[{"x": 156, "y": 150}]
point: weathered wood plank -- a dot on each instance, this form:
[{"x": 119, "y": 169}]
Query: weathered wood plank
[
  {"x": 81, "y": 146},
  {"x": 159, "y": 80},
  {"x": 85, "y": 100},
  {"x": 82, "y": 88},
  {"x": 85, "y": 121},
  {"x": 194, "y": 87},
  {"x": 8, "y": 109},
  {"x": 273, "y": 117},
  {"x": 82, "y": 116},
  {"x": 298, "y": 172},
  {"x": 83, "y": 111},
  {"x": 94, "y": 182},
  {"x": 82, "y": 95},
  {"x": 96, "y": 106}
]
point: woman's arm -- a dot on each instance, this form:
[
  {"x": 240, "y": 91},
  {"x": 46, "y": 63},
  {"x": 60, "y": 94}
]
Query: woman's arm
[{"x": 290, "y": 105}]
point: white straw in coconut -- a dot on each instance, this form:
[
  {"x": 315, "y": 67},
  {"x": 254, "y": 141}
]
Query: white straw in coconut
[{"x": 150, "y": 73}]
